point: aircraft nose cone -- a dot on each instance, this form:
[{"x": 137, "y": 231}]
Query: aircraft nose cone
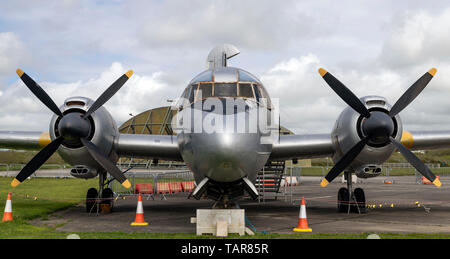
[
  {"x": 73, "y": 125},
  {"x": 378, "y": 127}
]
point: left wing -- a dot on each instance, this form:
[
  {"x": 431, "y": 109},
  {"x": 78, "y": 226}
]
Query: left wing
[
  {"x": 148, "y": 146},
  {"x": 302, "y": 146},
  {"x": 320, "y": 145}
]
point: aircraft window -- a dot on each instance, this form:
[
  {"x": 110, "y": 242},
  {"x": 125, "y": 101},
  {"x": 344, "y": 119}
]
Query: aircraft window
[
  {"x": 266, "y": 95},
  {"x": 257, "y": 92},
  {"x": 191, "y": 93},
  {"x": 206, "y": 91},
  {"x": 245, "y": 90},
  {"x": 225, "y": 90},
  {"x": 246, "y": 77}
]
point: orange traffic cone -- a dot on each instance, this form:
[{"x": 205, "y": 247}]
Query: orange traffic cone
[
  {"x": 7, "y": 215},
  {"x": 139, "y": 221},
  {"x": 302, "y": 222}
]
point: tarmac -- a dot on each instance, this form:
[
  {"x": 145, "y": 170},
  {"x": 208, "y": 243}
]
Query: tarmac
[{"x": 401, "y": 207}]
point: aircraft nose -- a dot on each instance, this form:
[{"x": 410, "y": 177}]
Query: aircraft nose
[{"x": 226, "y": 157}]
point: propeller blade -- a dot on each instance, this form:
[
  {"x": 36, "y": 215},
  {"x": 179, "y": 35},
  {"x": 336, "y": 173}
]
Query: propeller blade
[
  {"x": 106, "y": 163},
  {"x": 414, "y": 161},
  {"x": 37, "y": 161},
  {"x": 106, "y": 95},
  {"x": 345, "y": 161},
  {"x": 344, "y": 93},
  {"x": 39, "y": 92},
  {"x": 412, "y": 92}
]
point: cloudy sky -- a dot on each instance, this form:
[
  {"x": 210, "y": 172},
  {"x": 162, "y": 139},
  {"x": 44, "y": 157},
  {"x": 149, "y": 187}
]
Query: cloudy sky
[{"x": 80, "y": 47}]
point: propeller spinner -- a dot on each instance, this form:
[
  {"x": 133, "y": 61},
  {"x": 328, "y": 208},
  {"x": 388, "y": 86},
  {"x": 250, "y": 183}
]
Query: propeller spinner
[
  {"x": 72, "y": 126},
  {"x": 377, "y": 126}
]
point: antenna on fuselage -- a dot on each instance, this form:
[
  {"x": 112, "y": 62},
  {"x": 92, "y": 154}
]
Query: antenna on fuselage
[{"x": 219, "y": 55}]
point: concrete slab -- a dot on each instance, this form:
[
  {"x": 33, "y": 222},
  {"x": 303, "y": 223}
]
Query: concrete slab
[{"x": 403, "y": 210}]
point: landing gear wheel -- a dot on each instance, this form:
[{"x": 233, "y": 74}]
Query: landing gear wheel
[
  {"x": 108, "y": 197},
  {"x": 91, "y": 199},
  {"x": 360, "y": 198},
  {"x": 343, "y": 200}
]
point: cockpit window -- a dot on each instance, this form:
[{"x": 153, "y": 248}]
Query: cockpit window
[
  {"x": 257, "y": 93},
  {"x": 245, "y": 90},
  {"x": 205, "y": 89},
  {"x": 225, "y": 89},
  {"x": 190, "y": 93}
]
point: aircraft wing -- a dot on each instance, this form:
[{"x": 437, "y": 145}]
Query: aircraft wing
[
  {"x": 136, "y": 145},
  {"x": 426, "y": 140},
  {"x": 320, "y": 145},
  {"x": 148, "y": 146},
  {"x": 302, "y": 146},
  {"x": 24, "y": 140}
]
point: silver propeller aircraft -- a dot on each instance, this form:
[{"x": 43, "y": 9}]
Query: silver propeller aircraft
[{"x": 225, "y": 134}]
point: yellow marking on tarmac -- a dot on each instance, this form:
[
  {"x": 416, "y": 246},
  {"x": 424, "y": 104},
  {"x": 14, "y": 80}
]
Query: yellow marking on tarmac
[
  {"x": 44, "y": 139},
  {"x": 407, "y": 139}
]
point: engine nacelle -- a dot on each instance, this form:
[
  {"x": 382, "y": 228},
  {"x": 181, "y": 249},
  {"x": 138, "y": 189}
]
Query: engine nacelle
[
  {"x": 103, "y": 134},
  {"x": 348, "y": 131},
  {"x": 368, "y": 171}
]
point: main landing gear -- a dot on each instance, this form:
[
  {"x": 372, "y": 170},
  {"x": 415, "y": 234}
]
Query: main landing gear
[
  {"x": 102, "y": 200},
  {"x": 351, "y": 201}
]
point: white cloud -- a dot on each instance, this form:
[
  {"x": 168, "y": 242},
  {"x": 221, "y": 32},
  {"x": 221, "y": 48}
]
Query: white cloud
[
  {"x": 23, "y": 111},
  {"x": 374, "y": 48},
  {"x": 12, "y": 53}
]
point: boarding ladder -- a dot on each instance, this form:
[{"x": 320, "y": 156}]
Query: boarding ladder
[{"x": 269, "y": 178}]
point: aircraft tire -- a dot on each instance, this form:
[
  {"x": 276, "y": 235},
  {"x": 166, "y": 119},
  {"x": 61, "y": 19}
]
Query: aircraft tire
[
  {"x": 91, "y": 196},
  {"x": 360, "y": 198},
  {"x": 343, "y": 200}
]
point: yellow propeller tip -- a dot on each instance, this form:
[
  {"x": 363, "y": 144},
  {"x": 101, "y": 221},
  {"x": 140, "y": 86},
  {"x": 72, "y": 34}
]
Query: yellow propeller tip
[
  {"x": 324, "y": 182},
  {"x": 129, "y": 73},
  {"x": 19, "y": 72},
  {"x": 437, "y": 183},
  {"x": 15, "y": 182},
  {"x": 432, "y": 71},
  {"x": 126, "y": 184},
  {"x": 322, "y": 72}
]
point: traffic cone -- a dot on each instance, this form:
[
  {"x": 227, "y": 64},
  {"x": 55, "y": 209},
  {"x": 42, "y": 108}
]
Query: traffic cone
[
  {"x": 139, "y": 221},
  {"x": 7, "y": 215},
  {"x": 302, "y": 221}
]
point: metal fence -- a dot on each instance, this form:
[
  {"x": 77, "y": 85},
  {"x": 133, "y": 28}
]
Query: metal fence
[{"x": 158, "y": 183}]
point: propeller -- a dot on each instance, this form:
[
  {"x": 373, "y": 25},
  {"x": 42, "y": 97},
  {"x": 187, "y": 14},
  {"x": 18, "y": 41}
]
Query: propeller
[
  {"x": 74, "y": 126},
  {"x": 377, "y": 126}
]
